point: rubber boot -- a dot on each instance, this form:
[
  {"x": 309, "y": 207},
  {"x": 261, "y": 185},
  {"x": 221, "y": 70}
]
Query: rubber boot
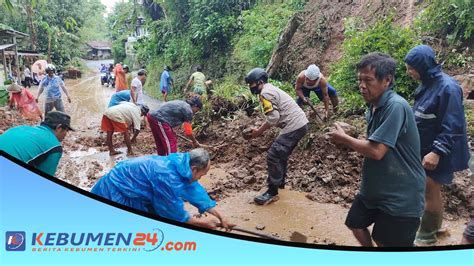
[
  {"x": 268, "y": 197},
  {"x": 430, "y": 224}
]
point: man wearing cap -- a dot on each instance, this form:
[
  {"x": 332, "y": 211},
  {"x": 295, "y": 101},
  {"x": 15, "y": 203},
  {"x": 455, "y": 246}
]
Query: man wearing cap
[
  {"x": 169, "y": 115},
  {"x": 136, "y": 91},
  {"x": 119, "y": 118},
  {"x": 166, "y": 82},
  {"x": 53, "y": 84},
  {"x": 310, "y": 80},
  {"x": 281, "y": 111},
  {"x": 38, "y": 146}
]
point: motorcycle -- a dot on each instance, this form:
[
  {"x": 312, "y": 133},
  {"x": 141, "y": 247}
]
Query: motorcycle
[
  {"x": 111, "y": 81},
  {"x": 104, "y": 78}
]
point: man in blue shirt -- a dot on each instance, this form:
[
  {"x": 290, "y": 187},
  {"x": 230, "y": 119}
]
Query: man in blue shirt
[
  {"x": 439, "y": 114},
  {"x": 393, "y": 181},
  {"x": 53, "y": 85},
  {"x": 161, "y": 184},
  {"x": 166, "y": 82},
  {"x": 38, "y": 146}
]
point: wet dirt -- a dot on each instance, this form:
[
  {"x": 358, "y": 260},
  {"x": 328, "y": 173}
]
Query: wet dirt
[{"x": 321, "y": 183}]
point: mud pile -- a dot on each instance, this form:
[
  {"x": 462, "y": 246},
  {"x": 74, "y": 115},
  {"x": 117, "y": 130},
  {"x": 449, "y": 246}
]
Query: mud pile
[{"x": 326, "y": 173}]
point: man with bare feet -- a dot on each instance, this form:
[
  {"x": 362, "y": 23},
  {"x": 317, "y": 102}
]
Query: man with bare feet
[{"x": 119, "y": 118}]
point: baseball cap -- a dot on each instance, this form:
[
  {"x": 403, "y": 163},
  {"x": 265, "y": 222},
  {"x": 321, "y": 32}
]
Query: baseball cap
[{"x": 55, "y": 118}]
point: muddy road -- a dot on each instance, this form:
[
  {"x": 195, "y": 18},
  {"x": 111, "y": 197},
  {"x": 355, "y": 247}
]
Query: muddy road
[{"x": 320, "y": 186}]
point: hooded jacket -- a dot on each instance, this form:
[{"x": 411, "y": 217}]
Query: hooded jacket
[
  {"x": 439, "y": 112},
  {"x": 156, "y": 184}
]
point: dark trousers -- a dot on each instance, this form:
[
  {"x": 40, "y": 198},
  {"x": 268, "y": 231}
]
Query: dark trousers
[{"x": 278, "y": 154}]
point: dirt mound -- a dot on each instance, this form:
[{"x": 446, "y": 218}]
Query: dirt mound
[
  {"x": 319, "y": 37},
  {"x": 317, "y": 167}
]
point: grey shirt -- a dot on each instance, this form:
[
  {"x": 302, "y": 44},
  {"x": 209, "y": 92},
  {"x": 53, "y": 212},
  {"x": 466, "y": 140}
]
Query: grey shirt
[
  {"x": 396, "y": 183},
  {"x": 174, "y": 113},
  {"x": 281, "y": 110}
]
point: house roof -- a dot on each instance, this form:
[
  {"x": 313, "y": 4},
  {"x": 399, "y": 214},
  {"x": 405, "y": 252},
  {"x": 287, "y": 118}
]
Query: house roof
[
  {"x": 100, "y": 45},
  {"x": 6, "y": 46}
]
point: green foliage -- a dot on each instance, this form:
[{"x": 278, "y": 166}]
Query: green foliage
[
  {"x": 261, "y": 27},
  {"x": 451, "y": 19},
  {"x": 383, "y": 37},
  {"x": 61, "y": 26},
  {"x": 119, "y": 27}
]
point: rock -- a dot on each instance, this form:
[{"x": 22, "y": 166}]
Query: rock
[
  {"x": 312, "y": 171},
  {"x": 260, "y": 227},
  {"x": 327, "y": 178},
  {"x": 250, "y": 180}
]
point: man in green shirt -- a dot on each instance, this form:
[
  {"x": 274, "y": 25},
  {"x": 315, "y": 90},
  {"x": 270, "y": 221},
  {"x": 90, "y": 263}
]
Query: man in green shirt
[
  {"x": 39, "y": 146},
  {"x": 198, "y": 79},
  {"x": 393, "y": 180}
]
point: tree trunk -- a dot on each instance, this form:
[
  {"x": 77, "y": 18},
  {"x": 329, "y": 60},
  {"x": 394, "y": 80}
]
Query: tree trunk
[
  {"x": 49, "y": 47},
  {"x": 31, "y": 27},
  {"x": 283, "y": 42}
]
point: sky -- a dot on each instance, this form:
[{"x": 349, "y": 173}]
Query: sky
[{"x": 110, "y": 4}]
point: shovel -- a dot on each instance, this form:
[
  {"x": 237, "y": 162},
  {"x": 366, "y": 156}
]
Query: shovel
[
  {"x": 314, "y": 110},
  {"x": 202, "y": 145},
  {"x": 250, "y": 232}
]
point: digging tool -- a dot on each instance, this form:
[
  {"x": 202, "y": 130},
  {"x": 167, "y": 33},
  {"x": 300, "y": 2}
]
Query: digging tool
[
  {"x": 202, "y": 145},
  {"x": 262, "y": 235},
  {"x": 314, "y": 110}
]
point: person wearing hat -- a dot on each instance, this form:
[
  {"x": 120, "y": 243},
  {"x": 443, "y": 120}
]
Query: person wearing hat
[
  {"x": 24, "y": 101},
  {"x": 136, "y": 91},
  {"x": 53, "y": 84},
  {"x": 282, "y": 111},
  {"x": 440, "y": 118},
  {"x": 170, "y": 115},
  {"x": 166, "y": 82},
  {"x": 310, "y": 80},
  {"x": 38, "y": 146},
  {"x": 119, "y": 118}
]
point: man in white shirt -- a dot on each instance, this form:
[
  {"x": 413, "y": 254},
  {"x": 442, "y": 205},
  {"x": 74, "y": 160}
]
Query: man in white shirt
[
  {"x": 136, "y": 91},
  {"x": 119, "y": 118}
]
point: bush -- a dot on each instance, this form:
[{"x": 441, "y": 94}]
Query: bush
[
  {"x": 451, "y": 19},
  {"x": 261, "y": 27},
  {"x": 383, "y": 37}
]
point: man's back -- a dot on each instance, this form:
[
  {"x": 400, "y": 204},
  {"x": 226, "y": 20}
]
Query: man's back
[
  {"x": 125, "y": 112},
  {"x": 121, "y": 96},
  {"x": 156, "y": 184},
  {"x": 199, "y": 79},
  {"x": 173, "y": 113},
  {"x": 37, "y": 146},
  {"x": 292, "y": 116}
]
